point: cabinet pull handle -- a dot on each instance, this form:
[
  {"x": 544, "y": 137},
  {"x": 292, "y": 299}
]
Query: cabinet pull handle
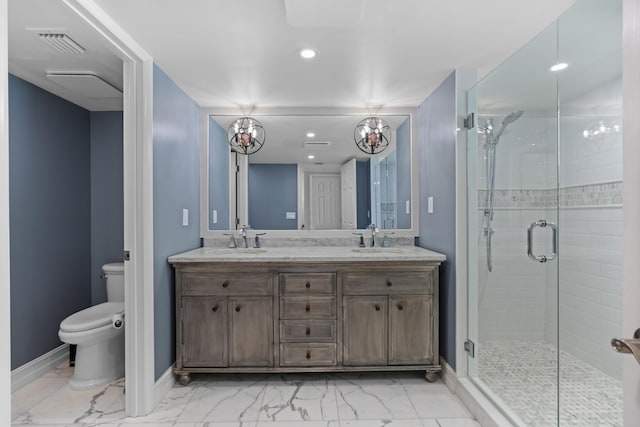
[
  {"x": 214, "y": 308},
  {"x": 308, "y": 285},
  {"x": 377, "y": 307},
  {"x": 237, "y": 309},
  {"x": 308, "y": 331},
  {"x": 308, "y": 308},
  {"x": 400, "y": 307},
  {"x": 389, "y": 283},
  {"x": 308, "y": 355},
  {"x": 225, "y": 284}
]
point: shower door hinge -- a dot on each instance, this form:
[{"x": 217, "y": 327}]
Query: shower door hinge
[
  {"x": 237, "y": 168},
  {"x": 126, "y": 256},
  {"x": 468, "y": 121},
  {"x": 470, "y": 347}
]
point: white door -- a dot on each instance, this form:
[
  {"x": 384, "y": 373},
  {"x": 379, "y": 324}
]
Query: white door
[
  {"x": 348, "y": 195},
  {"x": 325, "y": 201}
]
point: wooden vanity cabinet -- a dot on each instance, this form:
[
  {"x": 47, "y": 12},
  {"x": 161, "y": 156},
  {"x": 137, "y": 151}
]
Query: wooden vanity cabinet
[{"x": 297, "y": 317}]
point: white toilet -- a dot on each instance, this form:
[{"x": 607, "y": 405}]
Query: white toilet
[{"x": 98, "y": 332}]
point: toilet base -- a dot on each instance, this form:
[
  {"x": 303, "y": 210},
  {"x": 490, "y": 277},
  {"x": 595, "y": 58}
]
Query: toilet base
[{"x": 98, "y": 363}]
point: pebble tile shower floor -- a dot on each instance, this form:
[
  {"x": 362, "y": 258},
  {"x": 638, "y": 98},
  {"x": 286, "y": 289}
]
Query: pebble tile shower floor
[
  {"x": 525, "y": 376},
  {"x": 310, "y": 400}
]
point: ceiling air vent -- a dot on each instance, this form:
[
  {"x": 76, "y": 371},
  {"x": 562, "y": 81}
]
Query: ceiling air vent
[
  {"x": 317, "y": 145},
  {"x": 62, "y": 43}
]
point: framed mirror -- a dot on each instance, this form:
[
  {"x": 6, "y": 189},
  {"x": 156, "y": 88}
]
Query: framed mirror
[{"x": 310, "y": 177}]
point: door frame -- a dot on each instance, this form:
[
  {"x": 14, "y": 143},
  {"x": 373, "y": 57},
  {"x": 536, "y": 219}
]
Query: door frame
[{"x": 138, "y": 205}]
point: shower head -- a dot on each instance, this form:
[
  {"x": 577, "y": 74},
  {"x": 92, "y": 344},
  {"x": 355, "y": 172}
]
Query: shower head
[
  {"x": 506, "y": 122},
  {"x": 512, "y": 117}
]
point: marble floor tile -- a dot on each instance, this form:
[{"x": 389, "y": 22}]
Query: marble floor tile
[
  {"x": 371, "y": 402},
  {"x": 382, "y": 423},
  {"x": 297, "y": 399},
  {"x": 35, "y": 392},
  {"x": 66, "y": 406},
  {"x": 330, "y": 423},
  {"x": 458, "y": 422},
  {"x": 240, "y": 402},
  {"x": 436, "y": 401}
]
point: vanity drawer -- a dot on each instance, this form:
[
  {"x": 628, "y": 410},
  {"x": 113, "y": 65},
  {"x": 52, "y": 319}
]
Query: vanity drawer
[
  {"x": 308, "y": 331},
  {"x": 307, "y": 307},
  {"x": 308, "y": 354},
  {"x": 417, "y": 282},
  {"x": 308, "y": 283},
  {"x": 227, "y": 284}
]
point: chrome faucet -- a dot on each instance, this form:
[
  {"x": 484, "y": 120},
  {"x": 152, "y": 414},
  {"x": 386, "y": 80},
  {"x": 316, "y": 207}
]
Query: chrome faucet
[
  {"x": 243, "y": 232},
  {"x": 232, "y": 242},
  {"x": 374, "y": 231}
]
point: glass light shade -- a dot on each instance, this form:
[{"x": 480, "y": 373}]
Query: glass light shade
[
  {"x": 246, "y": 135},
  {"x": 372, "y": 135}
]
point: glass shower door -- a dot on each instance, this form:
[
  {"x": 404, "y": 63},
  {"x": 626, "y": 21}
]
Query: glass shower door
[
  {"x": 545, "y": 224},
  {"x": 513, "y": 217}
]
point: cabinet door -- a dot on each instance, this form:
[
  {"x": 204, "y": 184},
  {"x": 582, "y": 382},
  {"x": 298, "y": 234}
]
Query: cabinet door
[
  {"x": 411, "y": 330},
  {"x": 250, "y": 331},
  {"x": 365, "y": 330},
  {"x": 204, "y": 331}
]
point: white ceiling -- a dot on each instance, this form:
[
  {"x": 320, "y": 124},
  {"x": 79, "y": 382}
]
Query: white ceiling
[{"x": 244, "y": 53}]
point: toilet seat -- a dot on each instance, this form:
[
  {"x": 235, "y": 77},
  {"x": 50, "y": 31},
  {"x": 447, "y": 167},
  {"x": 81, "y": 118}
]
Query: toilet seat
[{"x": 92, "y": 317}]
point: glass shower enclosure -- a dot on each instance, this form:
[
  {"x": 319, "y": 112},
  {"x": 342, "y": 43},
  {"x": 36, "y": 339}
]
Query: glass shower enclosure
[{"x": 545, "y": 224}]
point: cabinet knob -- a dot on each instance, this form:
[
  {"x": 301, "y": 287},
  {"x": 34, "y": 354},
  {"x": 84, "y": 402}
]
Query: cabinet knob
[
  {"x": 237, "y": 309},
  {"x": 400, "y": 307},
  {"x": 389, "y": 283},
  {"x": 308, "y": 355},
  {"x": 214, "y": 308},
  {"x": 308, "y": 285},
  {"x": 307, "y": 308},
  {"x": 225, "y": 284},
  {"x": 308, "y": 331},
  {"x": 377, "y": 307}
]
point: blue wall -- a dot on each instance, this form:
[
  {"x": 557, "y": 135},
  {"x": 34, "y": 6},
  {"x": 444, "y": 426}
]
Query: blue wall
[
  {"x": 218, "y": 176},
  {"x": 176, "y": 185},
  {"x": 436, "y": 136},
  {"x": 273, "y": 190},
  {"x": 50, "y": 214},
  {"x": 363, "y": 193},
  {"x": 403, "y": 168},
  {"x": 107, "y": 197}
]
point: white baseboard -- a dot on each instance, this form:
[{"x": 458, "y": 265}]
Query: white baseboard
[
  {"x": 162, "y": 386},
  {"x": 449, "y": 376},
  {"x": 28, "y": 372}
]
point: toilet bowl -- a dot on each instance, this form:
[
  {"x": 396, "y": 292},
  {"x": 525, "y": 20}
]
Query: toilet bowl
[{"x": 98, "y": 333}]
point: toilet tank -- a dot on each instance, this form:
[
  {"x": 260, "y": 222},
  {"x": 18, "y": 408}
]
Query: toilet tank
[{"x": 114, "y": 273}]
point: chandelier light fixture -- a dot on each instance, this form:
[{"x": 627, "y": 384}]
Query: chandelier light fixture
[
  {"x": 372, "y": 135},
  {"x": 246, "y": 135}
]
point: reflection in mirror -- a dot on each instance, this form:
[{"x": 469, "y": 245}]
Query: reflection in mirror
[{"x": 310, "y": 175}]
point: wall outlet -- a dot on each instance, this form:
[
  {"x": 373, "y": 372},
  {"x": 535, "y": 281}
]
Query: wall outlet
[
  {"x": 290, "y": 215},
  {"x": 185, "y": 217}
]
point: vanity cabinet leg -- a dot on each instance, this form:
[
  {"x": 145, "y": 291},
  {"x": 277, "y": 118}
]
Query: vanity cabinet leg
[
  {"x": 184, "y": 379},
  {"x": 431, "y": 375}
]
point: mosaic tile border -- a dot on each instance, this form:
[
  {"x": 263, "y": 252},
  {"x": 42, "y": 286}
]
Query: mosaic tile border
[{"x": 602, "y": 194}]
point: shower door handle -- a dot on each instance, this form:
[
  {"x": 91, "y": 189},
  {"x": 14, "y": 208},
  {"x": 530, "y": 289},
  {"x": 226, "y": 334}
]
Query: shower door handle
[{"x": 554, "y": 229}]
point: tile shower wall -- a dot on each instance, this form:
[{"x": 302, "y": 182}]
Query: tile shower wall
[{"x": 518, "y": 303}]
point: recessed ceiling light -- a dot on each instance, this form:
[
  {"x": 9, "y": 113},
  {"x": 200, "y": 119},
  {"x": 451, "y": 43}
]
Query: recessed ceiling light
[
  {"x": 311, "y": 156},
  {"x": 310, "y": 134},
  {"x": 559, "y": 66},
  {"x": 308, "y": 53}
]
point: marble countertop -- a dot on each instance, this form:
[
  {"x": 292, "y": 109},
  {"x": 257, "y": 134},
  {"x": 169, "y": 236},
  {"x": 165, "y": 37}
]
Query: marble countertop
[{"x": 307, "y": 254}]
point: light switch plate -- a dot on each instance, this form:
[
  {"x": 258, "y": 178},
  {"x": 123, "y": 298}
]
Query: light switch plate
[
  {"x": 290, "y": 215},
  {"x": 408, "y": 207},
  {"x": 430, "y": 204},
  {"x": 214, "y": 216},
  {"x": 185, "y": 217}
]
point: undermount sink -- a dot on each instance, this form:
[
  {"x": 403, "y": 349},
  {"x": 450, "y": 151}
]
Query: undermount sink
[{"x": 377, "y": 250}]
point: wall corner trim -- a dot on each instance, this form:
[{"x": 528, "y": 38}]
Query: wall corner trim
[{"x": 23, "y": 375}]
